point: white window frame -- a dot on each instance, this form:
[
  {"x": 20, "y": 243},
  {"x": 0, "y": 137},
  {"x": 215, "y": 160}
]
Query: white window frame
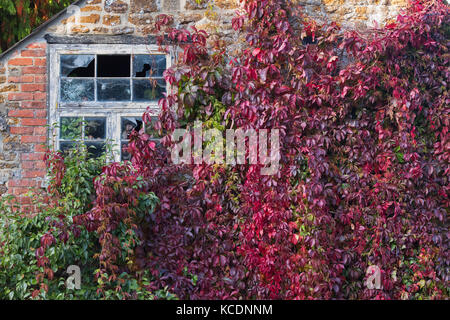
[{"x": 113, "y": 111}]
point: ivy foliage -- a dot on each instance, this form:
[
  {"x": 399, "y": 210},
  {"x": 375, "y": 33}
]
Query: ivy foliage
[
  {"x": 362, "y": 181},
  {"x": 36, "y": 250},
  {"x": 18, "y": 18}
]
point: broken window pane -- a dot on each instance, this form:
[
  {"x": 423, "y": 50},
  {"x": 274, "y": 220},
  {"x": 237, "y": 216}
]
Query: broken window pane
[
  {"x": 95, "y": 149},
  {"x": 128, "y": 125},
  {"x": 77, "y": 90},
  {"x": 95, "y": 128},
  {"x": 77, "y": 65},
  {"x": 113, "y": 90},
  {"x": 113, "y": 66},
  {"x": 70, "y": 128},
  {"x": 148, "y": 90},
  {"x": 148, "y": 65}
]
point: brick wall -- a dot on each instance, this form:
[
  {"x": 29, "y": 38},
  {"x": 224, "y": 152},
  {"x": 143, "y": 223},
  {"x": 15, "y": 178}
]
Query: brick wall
[{"x": 23, "y": 110}]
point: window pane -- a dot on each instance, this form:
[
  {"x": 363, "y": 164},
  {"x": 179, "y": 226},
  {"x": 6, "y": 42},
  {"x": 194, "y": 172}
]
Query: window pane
[
  {"x": 95, "y": 149},
  {"x": 128, "y": 125},
  {"x": 148, "y": 90},
  {"x": 66, "y": 146},
  {"x": 113, "y": 90},
  {"x": 149, "y": 65},
  {"x": 113, "y": 66},
  {"x": 125, "y": 155},
  {"x": 77, "y": 90},
  {"x": 95, "y": 128},
  {"x": 77, "y": 65},
  {"x": 70, "y": 128}
]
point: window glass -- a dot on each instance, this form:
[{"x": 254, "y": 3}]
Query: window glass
[
  {"x": 65, "y": 146},
  {"x": 130, "y": 124},
  {"x": 148, "y": 90},
  {"x": 77, "y": 90},
  {"x": 148, "y": 65},
  {"x": 79, "y": 65},
  {"x": 113, "y": 90},
  {"x": 95, "y": 149},
  {"x": 124, "y": 155},
  {"x": 127, "y": 126},
  {"x": 95, "y": 128},
  {"x": 91, "y": 131},
  {"x": 104, "y": 78},
  {"x": 70, "y": 128}
]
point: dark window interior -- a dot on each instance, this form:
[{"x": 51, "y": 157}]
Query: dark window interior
[
  {"x": 113, "y": 65},
  {"x": 95, "y": 128}
]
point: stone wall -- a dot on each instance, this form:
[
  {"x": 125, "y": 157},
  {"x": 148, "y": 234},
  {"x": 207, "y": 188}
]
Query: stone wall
[
  {"x": 358, "y": 14},
  {"x": 137, "y": 17}
]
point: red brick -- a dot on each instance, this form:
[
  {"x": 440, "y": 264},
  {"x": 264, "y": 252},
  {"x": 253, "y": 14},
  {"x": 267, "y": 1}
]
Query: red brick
[
  {"x": 34, "y": 70},
  {"x": 21, "y": 130},
  {"x": 32, "y": 156},
  {"x": 33, "y": 139},
  {"x": 37, "y": 45},
  {"x": 40, "y": 148},
  {"x": 24, "y": 200},
  {"x": 40, "y": 131},
  {"x": 21, "y": 113},
  {"x": 33, "y": 87},
  {"x": 34, "y": 122},
  {"x": 40, "y": 113},
  {"x": 33, "y": 53},
  {"x": 34, "y": 173},
  {"x": 19, "y": 191},
  {"x": 40, "y": 62},
  {"x": 21, "y": 62},
  {"x": 34, "y": 105},
  {"x": 19, "y": 96},
  {"x": 40, "y": 96},
  {"x": 33, "y": 165},
  {"x": 40, "y": 79},
  {"x": 23, "y": 79},
  {"x": 22, "y": 183},
  {"x": 28, "y": 164}
]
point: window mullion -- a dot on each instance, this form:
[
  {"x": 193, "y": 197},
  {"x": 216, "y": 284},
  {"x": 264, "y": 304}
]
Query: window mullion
[
  {"x": 82, "y": 129},
  {"x": 95, "y": 79},
  {"x": 131, "y": 77}
]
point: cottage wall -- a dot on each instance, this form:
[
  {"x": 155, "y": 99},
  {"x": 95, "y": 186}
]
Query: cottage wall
[{"x": 24, "y": 72}]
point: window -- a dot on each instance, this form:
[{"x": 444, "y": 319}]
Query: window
[
  {"x": 98, "y": 96},
  {"x": 89, "y": 131},
  {"x": 130, "y": 124},
  {"x": 112, "y": 77}
]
